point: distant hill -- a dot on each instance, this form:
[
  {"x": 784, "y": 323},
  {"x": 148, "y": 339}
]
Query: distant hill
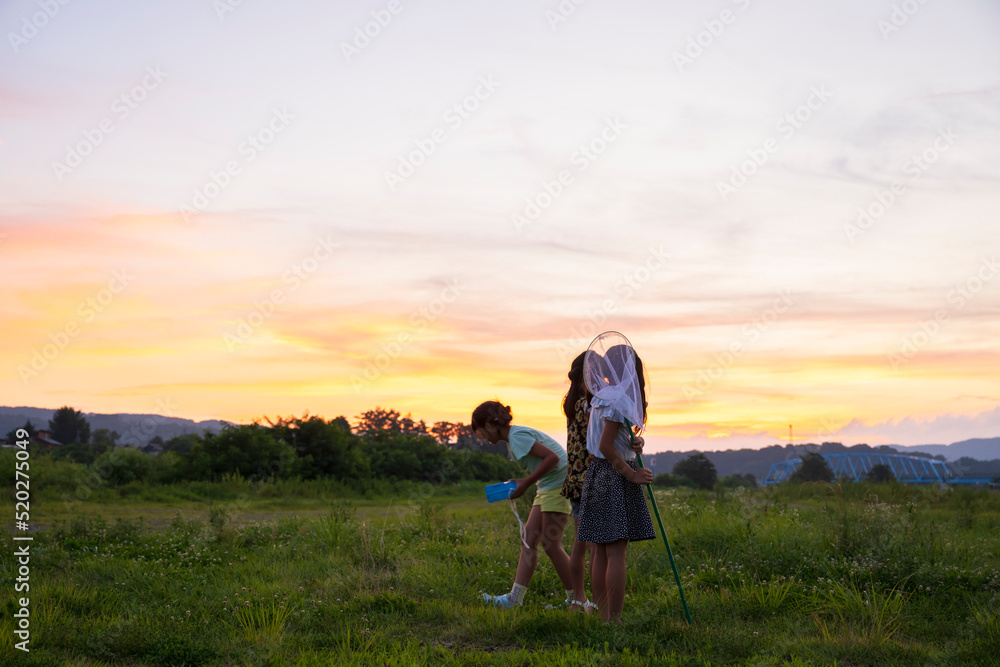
[
  {"x": 982, "y": 449},
  {"x": 759, "y": 461},
  {"x": 754, "y": 461},
  {"x": 135, "y": 429}
]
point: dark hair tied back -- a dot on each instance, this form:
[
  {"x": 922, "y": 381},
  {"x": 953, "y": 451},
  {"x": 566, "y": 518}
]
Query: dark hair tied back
[{"x": 491, "y": 412}]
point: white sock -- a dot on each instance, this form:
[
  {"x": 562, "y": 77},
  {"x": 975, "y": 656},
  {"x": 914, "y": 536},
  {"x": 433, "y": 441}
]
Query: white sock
[{"x": 517, "y": 593}]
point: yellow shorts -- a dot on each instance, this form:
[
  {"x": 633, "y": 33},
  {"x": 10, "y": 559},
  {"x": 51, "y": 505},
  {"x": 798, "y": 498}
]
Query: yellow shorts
[{"x": 553, "y": 501}]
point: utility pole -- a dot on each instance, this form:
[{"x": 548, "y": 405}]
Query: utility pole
[{"x": 789, "y": 434}]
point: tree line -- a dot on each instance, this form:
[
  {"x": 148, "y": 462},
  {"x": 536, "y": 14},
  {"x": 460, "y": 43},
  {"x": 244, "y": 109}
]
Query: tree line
[
  {"x": 383, "y": 445},
  {"x": 697, "y": 471}
]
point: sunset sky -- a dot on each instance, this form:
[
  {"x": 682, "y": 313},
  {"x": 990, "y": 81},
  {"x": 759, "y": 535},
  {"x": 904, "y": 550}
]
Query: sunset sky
[{"x": 225, "y": 210}]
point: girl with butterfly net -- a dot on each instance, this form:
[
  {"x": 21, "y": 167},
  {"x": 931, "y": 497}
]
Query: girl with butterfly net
[{"x": 613, "y": 511}]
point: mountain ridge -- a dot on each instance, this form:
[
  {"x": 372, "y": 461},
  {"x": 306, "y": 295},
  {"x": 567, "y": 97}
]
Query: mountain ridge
[
  {"x": 974, "y": 448},
  {"x": 759, "y": 461},
  {"x": 135, "y": 428}
]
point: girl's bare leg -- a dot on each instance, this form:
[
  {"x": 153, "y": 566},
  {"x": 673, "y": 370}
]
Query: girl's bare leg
[
  {"x": 598, "y": 577},
  {"x": 553, "y": 525},
  {"x": 615, "y": 581},
  {"x": 577, "y": 560},
  {"x": 529, "y": 555}
]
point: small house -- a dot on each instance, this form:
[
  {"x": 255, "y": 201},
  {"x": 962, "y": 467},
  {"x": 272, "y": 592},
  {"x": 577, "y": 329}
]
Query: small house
[{"x": 45, "y": 439}]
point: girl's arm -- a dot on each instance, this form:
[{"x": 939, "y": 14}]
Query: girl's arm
[
  {"x": 607, "y": 447},
  {"x": 549, "y": 461}
]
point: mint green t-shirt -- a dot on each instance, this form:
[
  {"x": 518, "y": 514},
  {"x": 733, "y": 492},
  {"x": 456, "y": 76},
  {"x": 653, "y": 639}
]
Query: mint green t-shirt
[{"x": 519, "y": 444}]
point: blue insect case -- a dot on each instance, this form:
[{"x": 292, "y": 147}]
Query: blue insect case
[{"x": 501, "y": 491}]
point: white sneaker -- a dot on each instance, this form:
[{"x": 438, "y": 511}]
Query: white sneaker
[{"x": 504, "y": 601}]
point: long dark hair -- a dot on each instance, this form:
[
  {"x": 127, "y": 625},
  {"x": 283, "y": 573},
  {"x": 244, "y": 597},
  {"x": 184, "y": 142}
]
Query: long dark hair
[
  {"x": 577, "y": 387},
  {"x": 642, "y": 385}
]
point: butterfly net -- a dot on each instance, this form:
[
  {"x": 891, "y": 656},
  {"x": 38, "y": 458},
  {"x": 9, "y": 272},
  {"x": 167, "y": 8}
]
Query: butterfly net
[{"x": 610, "y": 373}]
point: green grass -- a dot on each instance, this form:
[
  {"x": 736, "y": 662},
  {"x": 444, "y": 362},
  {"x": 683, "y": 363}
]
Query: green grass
[{"x": 810, "y": 575}]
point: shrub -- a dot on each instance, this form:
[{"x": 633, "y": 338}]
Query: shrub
[
  {"x": 737, "y": 480},
  {"x": 880, "y": 473},
  {"x": 813, "y": 468},
  {"x": 124, "y": 465},
  {"x": 668, "y": 480},
  {"x": 48, "y": 474},
  {"x": 324, "y": 449},
  {"x": 698, "y": 469},
  {"x": 250, "y": 450}
]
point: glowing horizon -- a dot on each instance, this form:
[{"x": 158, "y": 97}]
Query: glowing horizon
[{"x": 235, "y": 214}]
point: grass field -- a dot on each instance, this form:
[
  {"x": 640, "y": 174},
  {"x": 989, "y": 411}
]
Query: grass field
[{"x": 285, "y": 574}]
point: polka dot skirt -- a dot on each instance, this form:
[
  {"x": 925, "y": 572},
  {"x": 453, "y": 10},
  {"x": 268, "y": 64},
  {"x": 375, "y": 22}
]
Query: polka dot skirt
[{"x": 612, "y": 508}]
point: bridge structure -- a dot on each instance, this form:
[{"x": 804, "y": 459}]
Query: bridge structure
[{"x": 854, "y": 466}]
